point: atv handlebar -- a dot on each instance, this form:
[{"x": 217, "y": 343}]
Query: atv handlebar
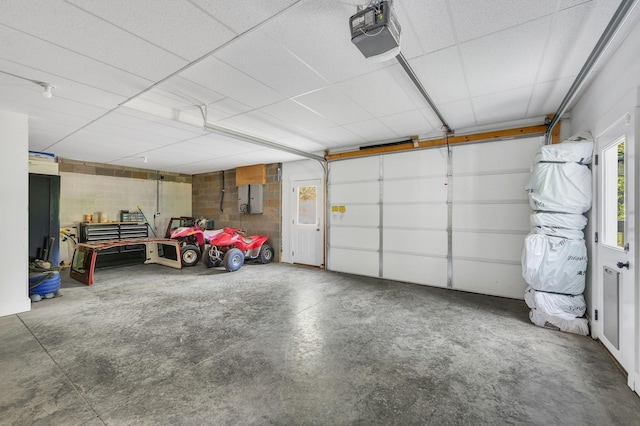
[{"x": 239, "y": 231}]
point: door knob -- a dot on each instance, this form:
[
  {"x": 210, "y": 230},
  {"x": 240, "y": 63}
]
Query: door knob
[{"x": 623, "y": 265}]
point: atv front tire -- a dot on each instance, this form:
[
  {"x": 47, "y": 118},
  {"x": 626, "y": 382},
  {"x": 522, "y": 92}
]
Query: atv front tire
[
  {"x": 190, "y": 255},
  {"x": 233, "y": 260}
]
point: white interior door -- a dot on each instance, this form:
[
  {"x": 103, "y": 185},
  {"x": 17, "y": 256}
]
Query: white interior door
[
  {"x": 615, "y": 295},
  {"x": 307, "y": 222}
]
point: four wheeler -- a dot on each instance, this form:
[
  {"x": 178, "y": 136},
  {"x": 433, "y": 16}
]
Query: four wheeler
[
  {"x": 191, "y": 238},
  {"x": 231, "y": 248}
]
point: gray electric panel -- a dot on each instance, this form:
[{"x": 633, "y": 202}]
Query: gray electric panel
[{"x": 250, "y": 198}]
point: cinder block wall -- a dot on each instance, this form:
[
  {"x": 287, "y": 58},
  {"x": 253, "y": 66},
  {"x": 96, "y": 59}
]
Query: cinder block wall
[{"x": 207, "y": 193}]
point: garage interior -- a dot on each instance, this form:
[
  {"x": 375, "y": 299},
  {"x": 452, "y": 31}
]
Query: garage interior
[{"x": 396, "y": 290}]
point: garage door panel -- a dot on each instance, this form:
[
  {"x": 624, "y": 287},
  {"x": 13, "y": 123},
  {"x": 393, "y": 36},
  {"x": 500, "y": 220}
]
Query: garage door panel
[
  {"x": 488, "y": 246},
  {"x": 418, "y": 242},
  {"x": 359, "y": 192},
  {"x": 357, "y": 238},
  {"x": 416, "y": 269},
  {"x": 354, "y": 170},
  {"x": 505, "y": 217},
  {"x": 491, "y": 187},
  {"x": 494, "y": 156},
  {"x": 418, "y": 190},
  {"x": 431, "y": 216},
  {"x": 489, "y": 278},
  {"x": 431, "y": 162},
  {"x": 357, "y": 215},
  {"x": 354, "y": 262}
]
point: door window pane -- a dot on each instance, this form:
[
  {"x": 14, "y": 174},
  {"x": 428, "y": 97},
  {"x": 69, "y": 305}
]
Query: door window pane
[
  {"x": 307, "y": 205},
  {"x": 614, "y": 189}
]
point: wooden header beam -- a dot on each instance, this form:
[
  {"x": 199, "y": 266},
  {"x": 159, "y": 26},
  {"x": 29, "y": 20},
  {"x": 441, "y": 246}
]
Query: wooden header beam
[{"x": 432, "y": 143}]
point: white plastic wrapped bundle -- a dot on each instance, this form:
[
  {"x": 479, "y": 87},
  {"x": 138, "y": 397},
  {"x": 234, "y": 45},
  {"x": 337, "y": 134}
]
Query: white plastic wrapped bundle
[
  {"x": 577, "y": 325},
  {"x": 560, "y": 305},
  {"x": 576, "y": 149},
  {"x": 564, "y": 187},
  {"x": 558, "y": 220},
  {"x": 571, "y": 234},
  {"x": 554, "y": 264}
]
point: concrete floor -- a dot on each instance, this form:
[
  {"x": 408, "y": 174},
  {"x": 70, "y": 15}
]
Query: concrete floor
[{"x": 281, "y": 344}]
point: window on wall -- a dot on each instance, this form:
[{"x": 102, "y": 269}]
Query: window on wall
[
  {"x": 307, "y": 205},
  {"x": 614, "y": 193}
]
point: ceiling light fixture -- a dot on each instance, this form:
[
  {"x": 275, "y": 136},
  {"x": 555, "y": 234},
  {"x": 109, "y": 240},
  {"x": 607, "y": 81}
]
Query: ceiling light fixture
[
  {"x": 46, "y": 86},
  {"x": 47, "y": 89}
]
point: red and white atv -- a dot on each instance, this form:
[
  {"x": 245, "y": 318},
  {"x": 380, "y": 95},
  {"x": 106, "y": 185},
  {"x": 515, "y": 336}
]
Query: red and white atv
[
  {"x": 231, "y": 248},
  {"x": 192, "y": 235}
]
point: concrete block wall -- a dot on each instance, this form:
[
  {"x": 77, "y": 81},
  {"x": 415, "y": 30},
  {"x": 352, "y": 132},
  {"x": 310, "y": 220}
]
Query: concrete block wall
[
  {"x": 89, "y": 188},
  {"x": 207, "y": 192}
]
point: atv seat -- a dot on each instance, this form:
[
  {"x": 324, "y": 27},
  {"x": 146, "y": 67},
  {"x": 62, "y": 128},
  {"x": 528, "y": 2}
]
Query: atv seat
[{"x": 247, "y": 240}]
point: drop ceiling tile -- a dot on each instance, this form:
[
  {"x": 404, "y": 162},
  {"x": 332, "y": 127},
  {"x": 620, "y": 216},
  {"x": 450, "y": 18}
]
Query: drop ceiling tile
[
  {"x": 547, "y": 96},
  {"x": 427, "y": 21},
  {"x": 301, "y": 143},
  {"x": 216, "y": 145},
  {"x": 504, "y": 60},
  {"x": 86, "y": 149},
  {"x": 332, "y": 104},
  {"x": 223, "y": 78},
  {"x": 318, "y": 33},
  {"x": 71, "y": 28},
  {"x": 459, "y": 114},
  {"x": 116, "y": 135},
  {"x": 504, "y": 106},
  {"x": 338, "y": 137},
  {"x": 177, "y": 26},
  {"x": 566, "y": 4},
  {"x": 128, "y": 121},
  {"x": 473, "y": 19},
  {"x": 372, "y": 131},
  {"x": 226, "y": 108},
  {"x": 441, "y": 75},
  {"x": 561, "y": 54},
  {"x": 267, "y": 61},
  {"x": 26, "y": 98},
  {"x": 37, "y": 54},
  {"x": 297, "y": 116},
  {"x": 241, "y": 15},
  {"x": 257, "y": 123},
  {"x": 378, "y": 93},
  {"x": 191, "y": 93},
  {"x": 409, "y": 123},
  {"x": 162, "y": 97}
]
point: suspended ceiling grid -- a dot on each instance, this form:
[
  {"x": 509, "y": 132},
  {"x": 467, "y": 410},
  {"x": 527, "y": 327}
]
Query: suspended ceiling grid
[{"x": 130, "y": 75}]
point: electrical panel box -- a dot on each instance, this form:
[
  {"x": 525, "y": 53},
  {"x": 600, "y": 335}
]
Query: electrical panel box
[{"x": 250, "y": 198}]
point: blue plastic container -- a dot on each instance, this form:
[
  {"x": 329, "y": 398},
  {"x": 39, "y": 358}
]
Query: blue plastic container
[{"x": 47, "y": 286}]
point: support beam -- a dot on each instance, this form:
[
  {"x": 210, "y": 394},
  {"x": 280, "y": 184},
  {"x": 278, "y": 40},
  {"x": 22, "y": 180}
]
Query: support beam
[{"x": 432, "y": 143}]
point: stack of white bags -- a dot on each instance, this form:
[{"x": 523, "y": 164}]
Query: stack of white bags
[{"x": 554, "y": 259}]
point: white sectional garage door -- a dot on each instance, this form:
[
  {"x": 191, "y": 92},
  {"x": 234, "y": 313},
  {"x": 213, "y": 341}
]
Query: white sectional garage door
[{"x": 400, "y": 216}]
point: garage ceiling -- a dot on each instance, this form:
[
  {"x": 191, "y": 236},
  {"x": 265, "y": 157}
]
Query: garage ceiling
[{"x": 130, "y": 75}]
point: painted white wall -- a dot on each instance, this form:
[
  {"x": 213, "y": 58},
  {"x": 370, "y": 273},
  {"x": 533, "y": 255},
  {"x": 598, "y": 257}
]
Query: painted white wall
[
  {"x": 292, "y": 171},
  {"x": 613, "y": 92},
  {"x": 82, "y": 194},
  {"x": 14, "y": 138}
]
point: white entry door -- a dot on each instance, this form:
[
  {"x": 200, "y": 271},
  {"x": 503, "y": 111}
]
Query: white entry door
[
  {"x": 307, "y": 222},
  {"x": 615, "y": 293}
]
